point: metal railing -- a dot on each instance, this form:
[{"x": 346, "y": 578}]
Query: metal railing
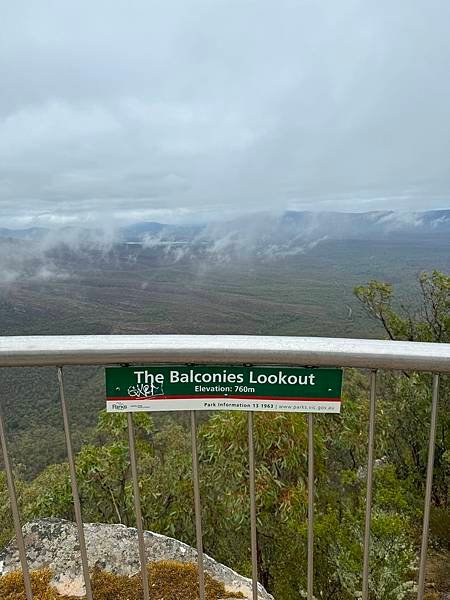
[{"x": 284, "y": 351}]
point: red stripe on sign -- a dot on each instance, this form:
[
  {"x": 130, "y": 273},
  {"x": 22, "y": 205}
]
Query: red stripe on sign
[{"x": 216, "y": 396}]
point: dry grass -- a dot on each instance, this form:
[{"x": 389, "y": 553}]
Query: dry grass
[
  {"x": 169, "y": 580},
  {"x": 11, "y": 586},
  {"x": 437, "y": 575}
]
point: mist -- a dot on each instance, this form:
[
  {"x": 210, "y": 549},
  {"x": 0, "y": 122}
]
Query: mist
[
  {"x": 49, "y": 255},
  {"x": 41, "y": 255}
]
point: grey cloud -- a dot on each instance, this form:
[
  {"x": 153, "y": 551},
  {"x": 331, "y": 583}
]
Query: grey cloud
[
  {"x": 27, "y": 262},
  {"x": 109, "y": 110},
  {"x": 52, "y": 254}
]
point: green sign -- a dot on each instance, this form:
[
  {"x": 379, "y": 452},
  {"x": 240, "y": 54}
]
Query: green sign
[{"x": 223, "y": 387}]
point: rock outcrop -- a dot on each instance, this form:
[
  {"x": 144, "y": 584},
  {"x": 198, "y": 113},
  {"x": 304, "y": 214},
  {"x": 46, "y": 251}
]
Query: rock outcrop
[{"x": 53, "y": 543}]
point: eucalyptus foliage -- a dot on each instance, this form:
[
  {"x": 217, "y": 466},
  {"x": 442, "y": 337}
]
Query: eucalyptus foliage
[{"x": 340, "y": 441}]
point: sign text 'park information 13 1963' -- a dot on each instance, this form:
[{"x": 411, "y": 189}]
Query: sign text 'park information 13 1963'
[{"x": 207, "y": 387}]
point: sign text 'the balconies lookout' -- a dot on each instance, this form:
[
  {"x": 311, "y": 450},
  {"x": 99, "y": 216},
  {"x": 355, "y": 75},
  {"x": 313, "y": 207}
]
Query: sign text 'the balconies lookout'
[{"x": 222, "y": 387}]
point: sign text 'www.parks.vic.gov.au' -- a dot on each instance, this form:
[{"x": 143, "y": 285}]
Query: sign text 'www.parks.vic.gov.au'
[{"x": 206, "y": 387}]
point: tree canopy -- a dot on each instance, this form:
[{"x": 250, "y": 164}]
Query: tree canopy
[{"x": 402, "y": 424}]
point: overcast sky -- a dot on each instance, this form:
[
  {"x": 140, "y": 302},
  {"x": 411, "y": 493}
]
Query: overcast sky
[{"x": 128, "y": 110}]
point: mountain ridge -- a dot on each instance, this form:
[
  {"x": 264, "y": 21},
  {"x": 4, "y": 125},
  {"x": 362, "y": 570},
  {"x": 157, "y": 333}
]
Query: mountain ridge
[{"x": 342, "y": 224}]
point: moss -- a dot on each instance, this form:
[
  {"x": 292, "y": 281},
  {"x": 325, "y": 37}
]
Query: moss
[
  {"x": 169, "y": 580},
  {"x": 12, "y": 588}
]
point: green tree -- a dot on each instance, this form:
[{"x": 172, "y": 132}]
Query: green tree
[
  {"x": 426, "y": 320},
  {"x": 405, "y": 399},
  {"x": 104, "y": 479},
  {"x": 404, "y": 406},
  {"x": 280, "y": 443}
]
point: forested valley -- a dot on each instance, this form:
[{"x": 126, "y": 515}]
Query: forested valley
[{"x": 163, "y": 446}]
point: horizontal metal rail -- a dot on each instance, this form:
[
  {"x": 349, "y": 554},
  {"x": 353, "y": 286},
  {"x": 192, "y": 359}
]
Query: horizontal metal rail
[
  {"x": 284, "y": 351},
  {"x": 21, "y": 351}
]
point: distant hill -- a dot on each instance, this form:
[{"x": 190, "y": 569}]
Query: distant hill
[
  {"x": 140, "y": 231},
  {"x": 271, "y": 236},
  {"x": 377, "y": 224},
  {"x": 336, "y": 225},
  {"x": 291, "y": 230},
  {"x": 261, "y": 235}
]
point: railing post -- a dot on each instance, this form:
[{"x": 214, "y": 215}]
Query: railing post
[
  {"x": 137, "y": 506},
  {"x": 253, "y": 531},
  {"x": 428, "y": 488},
  {"x": 15, "y": 511},
  {"x": 75, "y": 495},
  {"x": 310, "y": 568},
  {"x": 370, "y": 460},
  {"x": 197, "y": 505}
]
